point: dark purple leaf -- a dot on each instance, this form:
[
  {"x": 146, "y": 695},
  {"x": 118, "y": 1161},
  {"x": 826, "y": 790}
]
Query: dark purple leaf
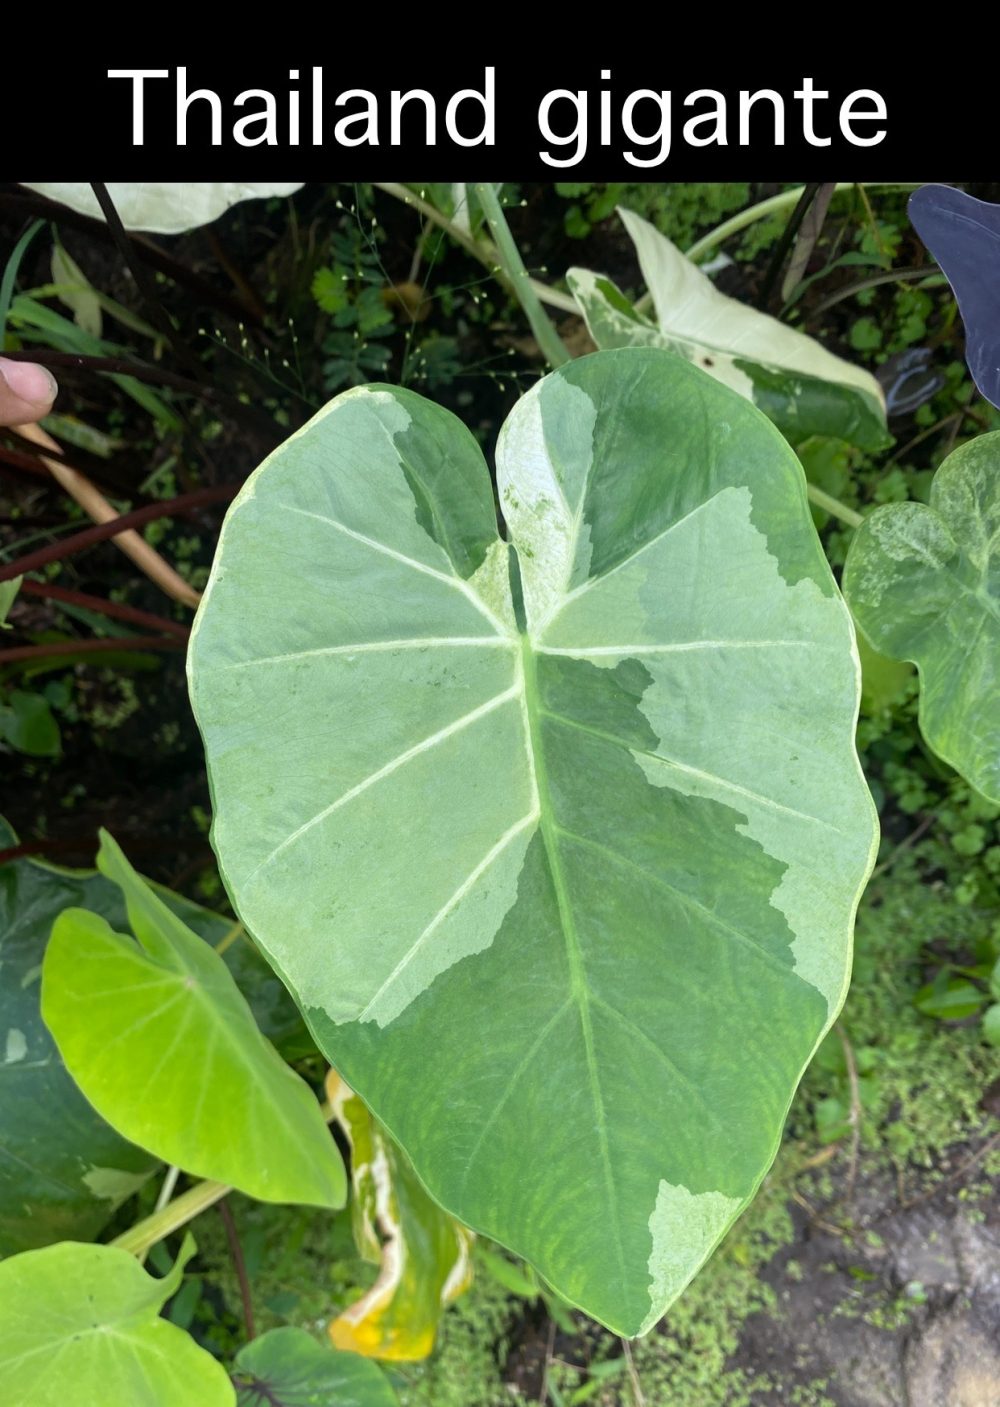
[{"x": 963, "y": 234}]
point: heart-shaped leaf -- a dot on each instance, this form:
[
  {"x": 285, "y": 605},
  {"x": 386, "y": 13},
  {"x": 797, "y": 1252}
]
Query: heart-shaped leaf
[
  {"x": 157, "y": 1035},
  {"x": 63, "y": 1170},
  {"x": 963, "y": 234},
  {"x": 288, "y": 1368},
  {"x": 923, "y": 581},
  {"x": 81, "y": 1324},
  {"x": 559, "y": 841},
  {"x": 792, "y": 378}
]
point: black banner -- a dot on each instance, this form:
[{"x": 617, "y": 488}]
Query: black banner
[{"x": 563, "y": 120}]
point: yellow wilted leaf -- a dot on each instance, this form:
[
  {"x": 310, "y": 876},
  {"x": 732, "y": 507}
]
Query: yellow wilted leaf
[{"x": 424, "y": 1255}]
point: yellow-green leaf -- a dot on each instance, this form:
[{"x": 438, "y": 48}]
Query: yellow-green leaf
[
  {"x": 159, "y": 1038},
  {"x": 80, "y": 1326}
]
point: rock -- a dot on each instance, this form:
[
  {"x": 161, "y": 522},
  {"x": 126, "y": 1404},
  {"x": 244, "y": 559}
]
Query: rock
[
  {"x": 923, "y": 1250},
  {"x": 955, "y": 1362}
]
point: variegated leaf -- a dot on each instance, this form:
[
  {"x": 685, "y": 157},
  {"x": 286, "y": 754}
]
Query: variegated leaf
[
  {"x": 423, "y": 1254},
  {"x": 557, "y": 840},
  {"x": 923, "y": 581},
  {"x": 792, "y": 378}
]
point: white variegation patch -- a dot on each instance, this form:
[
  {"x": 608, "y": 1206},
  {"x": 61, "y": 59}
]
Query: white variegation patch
[
  {"x": 751, "y": 743},
  {"x": 542, "y": 499},
  {"x": 924, "y": 585},
  {"x": 685, "y": 1227},
  {"x": 610, "y": 326}
]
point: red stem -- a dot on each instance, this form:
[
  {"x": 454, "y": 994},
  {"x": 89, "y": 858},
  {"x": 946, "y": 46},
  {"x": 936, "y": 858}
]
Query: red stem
[
  {"x": 250, "y": 415},
  {"x": 236, "y": 1251},
  {"x": 101, "y": 531},
  {"x": 89, "y": 647},
  {"x": 115, "y": 609},
  {"x": 26, "y": 463}
]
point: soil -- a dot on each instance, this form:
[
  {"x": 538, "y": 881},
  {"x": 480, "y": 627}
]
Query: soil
[
  {"x": 900, "y": 1310},
  {"x": 910, "y": 1319}
]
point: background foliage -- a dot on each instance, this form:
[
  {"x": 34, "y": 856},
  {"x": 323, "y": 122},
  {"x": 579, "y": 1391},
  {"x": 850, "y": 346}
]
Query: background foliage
[{"x": 272, "y": 309}]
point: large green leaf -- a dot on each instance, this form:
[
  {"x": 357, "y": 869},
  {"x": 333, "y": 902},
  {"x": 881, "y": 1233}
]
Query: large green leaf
[
  {"x": 923, "y": 581},
  {"x": 559, "y": 844},
  {"x": 792, "y": 378},
  {"x": 157, "y": 1035},
  {"x": 63, "y": 1170},
  {"x": 80, "y": 1324},
  {"x": 288, "y": 1368}
]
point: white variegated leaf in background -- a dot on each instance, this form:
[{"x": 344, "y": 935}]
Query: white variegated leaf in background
[
  {"x": 162, "y": 207},
  {"x": 792, "y": 378}
]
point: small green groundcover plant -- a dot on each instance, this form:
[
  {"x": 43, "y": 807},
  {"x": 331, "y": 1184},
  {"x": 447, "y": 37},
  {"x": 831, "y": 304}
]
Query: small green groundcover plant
[{"x": 554, "y": 832}]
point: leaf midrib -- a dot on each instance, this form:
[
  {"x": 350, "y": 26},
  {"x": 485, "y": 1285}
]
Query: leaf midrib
[{"x": 579, "y": 987}]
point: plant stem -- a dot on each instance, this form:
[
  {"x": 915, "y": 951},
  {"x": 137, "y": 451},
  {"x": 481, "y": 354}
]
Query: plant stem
[
  {"x": 155, "y": 376},
  {"x": 115, "y": 610},
  {"x": 904, "y": 845},
  {"x": 140, "y": 1238},
  {"x": 479, "y": 248},
  {"x": 512, "y": 264},
  {"x": 637, "y": 1394},
  {"x": 900, "y": 276},
  {"x": 763, "y": 208},
  {"x": 784, "y": 244},
  {"x": 543, "y": 1391},
  {"x": 230, "y": 936},
  {"x": 197, "y": 1199},
  {"x": 437, "y": 217},
  {"x": 97, "y": 507},
  {"x": 104, "y": 644},
  {"x": 834, "y": 507},
  {"x": 147, "y": 288},
  {"x": 138, "y": 517},
  {"x": 855, "y": 1115},
  {"x": 163, "y": 1198},
  {"x": 167, "y": 1190},
  {"x": 23, "y": 202},
  {"x": 240, "y": 1265},
  {"x": 84, "y": 844}
]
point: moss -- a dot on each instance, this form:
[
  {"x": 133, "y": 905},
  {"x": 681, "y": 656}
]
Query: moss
[
  {"x": 685, "y": 1361},
  {"x": 464, "y": 1370},
  {"x": 920, "y": 1080}
]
